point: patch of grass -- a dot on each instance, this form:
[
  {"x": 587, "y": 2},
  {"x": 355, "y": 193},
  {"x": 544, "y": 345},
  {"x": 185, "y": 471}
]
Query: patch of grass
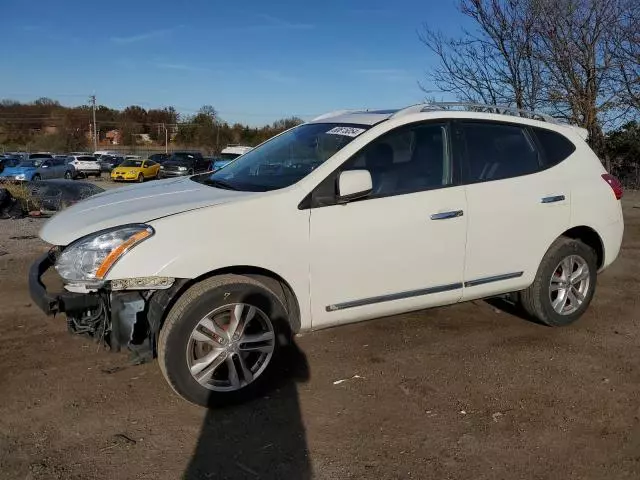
[{"x": 21, "y": 192}]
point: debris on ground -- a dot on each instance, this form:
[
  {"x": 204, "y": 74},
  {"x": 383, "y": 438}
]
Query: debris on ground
[
  {"x": 496, "y": 416},
  {"x": 338, "y": 382}
]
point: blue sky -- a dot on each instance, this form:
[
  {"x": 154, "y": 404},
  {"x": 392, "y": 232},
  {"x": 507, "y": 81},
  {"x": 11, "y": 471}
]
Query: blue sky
[{"x": 255, "y": 61}]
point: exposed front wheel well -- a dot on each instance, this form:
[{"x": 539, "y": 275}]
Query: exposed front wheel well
[
  {"x": 590, "y": 237},
  {"x": 271, "y": 280}
]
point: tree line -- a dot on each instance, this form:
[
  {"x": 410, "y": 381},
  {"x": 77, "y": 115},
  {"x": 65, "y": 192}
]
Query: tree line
[{"x": 45, "y": 124}]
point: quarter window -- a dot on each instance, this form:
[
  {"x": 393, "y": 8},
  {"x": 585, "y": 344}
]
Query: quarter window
[
  {"x": 556, "y": 147},
  {"x": 409, "y": 159},
  {"x": 497, "y": 151}
]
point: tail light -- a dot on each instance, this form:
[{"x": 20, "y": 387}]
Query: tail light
[{"x": 615, "y": 185}]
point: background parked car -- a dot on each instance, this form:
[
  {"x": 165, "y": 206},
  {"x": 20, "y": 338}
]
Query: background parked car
[
  {"x": 231, "y": 152},
  {"x": 184, "y": 163},
  {"x": 85, "y": 165},
  {"x": 159, "y": 157},
  {"x": 39, "y": 166},
  {"x": 109, "y": 162},
  {"x": 218, "y": 163},
  {"x": 9, "y": 160},
  {"x": 135, "y": 171}
]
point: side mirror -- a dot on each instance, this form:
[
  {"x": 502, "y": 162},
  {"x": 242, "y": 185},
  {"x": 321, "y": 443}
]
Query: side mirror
[{"x": 354, "y": 184}]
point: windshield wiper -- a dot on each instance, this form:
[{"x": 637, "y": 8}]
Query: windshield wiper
[{"x": 221, "y": 184}]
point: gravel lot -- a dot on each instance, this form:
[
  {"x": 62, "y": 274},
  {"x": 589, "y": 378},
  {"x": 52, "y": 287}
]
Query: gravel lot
[{"x": 469, "y": 391}]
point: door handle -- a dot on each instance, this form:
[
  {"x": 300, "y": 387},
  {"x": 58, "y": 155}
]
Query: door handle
[
  {"x": 446, "y": 215},
  {"x": 553, "y": 199}
]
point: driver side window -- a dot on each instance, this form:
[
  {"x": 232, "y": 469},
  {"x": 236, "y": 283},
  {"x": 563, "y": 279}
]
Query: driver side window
[{"x": 409, "y": 159}]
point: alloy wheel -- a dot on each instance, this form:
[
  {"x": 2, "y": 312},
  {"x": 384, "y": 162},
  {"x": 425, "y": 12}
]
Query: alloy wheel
[
  {"x": 569, "y": 284},
  {"x": 230, "y": 347}
]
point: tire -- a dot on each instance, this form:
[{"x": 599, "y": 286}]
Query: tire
[
  {"x": 190, "y": 172},
  {"x": 140, "y": 178},
  {"x": 98, "y": 175},
  {"x": 537, "y": 300},
  {"x": 68, "y": 175},
  {"x": 218, "y": 296},
  {"x": 36, "y": 178}
]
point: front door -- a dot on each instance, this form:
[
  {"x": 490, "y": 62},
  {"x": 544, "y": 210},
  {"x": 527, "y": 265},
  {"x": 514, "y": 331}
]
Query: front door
[{"x": 402, "y": 247}]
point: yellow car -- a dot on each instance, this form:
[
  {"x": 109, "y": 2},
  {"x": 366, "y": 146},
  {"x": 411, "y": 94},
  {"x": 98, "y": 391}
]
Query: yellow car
[{"x": 135, "y": 171}]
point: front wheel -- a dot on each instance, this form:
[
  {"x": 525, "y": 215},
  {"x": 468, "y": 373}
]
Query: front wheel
[
  {"x": 222, "y": 340},
  {"x": 140, "y": 178},
  {"x": 36, "y": 178},
  {"x": 564, "y": 284}
]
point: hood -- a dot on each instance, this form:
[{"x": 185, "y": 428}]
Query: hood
[
  {"x": 135, "y": 204},
  {"x": 17, "y": 170}
]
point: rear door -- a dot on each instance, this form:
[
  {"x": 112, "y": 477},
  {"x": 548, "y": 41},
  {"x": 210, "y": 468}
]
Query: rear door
[{"x": 516, "y": 205}]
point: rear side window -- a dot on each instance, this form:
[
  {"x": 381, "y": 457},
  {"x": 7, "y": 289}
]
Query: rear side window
[
  {"x": 87, "y": 159},
  {"x": 496, "y": 151},
  {"x": 556, "y": 147}
]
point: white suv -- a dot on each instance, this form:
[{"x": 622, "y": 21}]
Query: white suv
[
  {"x": 352, "y": 216},
  {"x": 85, "y": 165}
]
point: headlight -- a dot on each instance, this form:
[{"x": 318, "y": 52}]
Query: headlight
[
  {"x": 20, "y": 176},
  {"x": 182, "y": 169},
  {"x": 92, "y": 257},
  {"x": 161, "y": 167},
  {"x": 132, "y": 172}
]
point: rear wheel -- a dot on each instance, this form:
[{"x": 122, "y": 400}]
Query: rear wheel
[
  {"x": 68, "y": 175},
  {"x": 222, "y": 340},
  {"x": 564, "y": 284}
]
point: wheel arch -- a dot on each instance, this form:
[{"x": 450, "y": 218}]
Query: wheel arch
[
  {"x": 589, "y": 237},
  {"x": 161, "y": 303}
]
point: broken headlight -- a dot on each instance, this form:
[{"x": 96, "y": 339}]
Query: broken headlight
[{"x": 90, "y": 258}]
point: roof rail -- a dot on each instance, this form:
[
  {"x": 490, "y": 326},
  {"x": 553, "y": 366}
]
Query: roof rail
[
  {"x": 475, "y": 107},
  {"x": 333, "y": 114}
]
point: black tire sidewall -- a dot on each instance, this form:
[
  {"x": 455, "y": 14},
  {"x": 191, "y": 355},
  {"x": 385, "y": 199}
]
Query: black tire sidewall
[
  {"x": 175, "y": 346},
  {"x": 552, "y": 317}
]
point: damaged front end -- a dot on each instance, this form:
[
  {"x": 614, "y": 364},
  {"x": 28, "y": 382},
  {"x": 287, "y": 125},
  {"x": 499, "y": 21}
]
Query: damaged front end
[{"x": 119, "y": 314}]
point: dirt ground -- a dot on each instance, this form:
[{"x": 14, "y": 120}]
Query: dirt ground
[{"x": 468, "y": 391}]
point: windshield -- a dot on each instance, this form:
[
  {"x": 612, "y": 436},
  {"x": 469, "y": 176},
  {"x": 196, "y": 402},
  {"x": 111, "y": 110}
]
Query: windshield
[
  {"x": 285, "y": 159},
  {"x": 229, "y": 156},
  {"x": 39, "y": 155},
  {"x": 31, "y": 163},
  {"x": 131, "y": 163}
]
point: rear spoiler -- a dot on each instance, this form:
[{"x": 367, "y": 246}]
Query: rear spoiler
[{"x": 583, "y": 133}]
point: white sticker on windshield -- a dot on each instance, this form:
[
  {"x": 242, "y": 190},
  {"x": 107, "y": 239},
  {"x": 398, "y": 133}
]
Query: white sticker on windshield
[{"x": 346, "y": 131}]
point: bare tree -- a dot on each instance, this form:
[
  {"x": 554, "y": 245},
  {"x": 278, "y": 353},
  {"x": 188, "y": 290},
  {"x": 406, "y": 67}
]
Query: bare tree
[
  {"x": 494, "y": 64},
  {"x": 573, "y": 43},
  {"x": 626, "y": 53}
]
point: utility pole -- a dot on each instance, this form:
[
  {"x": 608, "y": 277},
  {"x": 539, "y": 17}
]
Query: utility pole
[
  {"x": 166, "y": 138},
  {"x": 95, "y": 127}
]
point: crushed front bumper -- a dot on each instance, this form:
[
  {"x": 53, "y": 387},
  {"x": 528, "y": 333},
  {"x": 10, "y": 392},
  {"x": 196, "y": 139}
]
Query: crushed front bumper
[
  {"x": 130, "y": 319},
  {"x": 64, "y": 302}
]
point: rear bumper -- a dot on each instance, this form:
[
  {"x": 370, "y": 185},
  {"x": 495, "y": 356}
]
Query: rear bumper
[
  {"x": 52, "y": 303},
  {"x": 611, "y": 236}
]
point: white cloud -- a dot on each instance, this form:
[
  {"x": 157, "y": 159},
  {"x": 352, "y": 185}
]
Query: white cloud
[
  {"x": 143, "y": 36},
  {"x": 179, "y": 66}
]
